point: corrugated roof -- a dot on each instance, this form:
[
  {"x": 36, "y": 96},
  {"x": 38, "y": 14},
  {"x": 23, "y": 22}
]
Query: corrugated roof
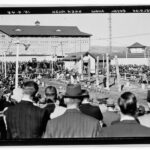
[
  {"x": 17, "y": 30},
  {"x": 136, "y": 45}
]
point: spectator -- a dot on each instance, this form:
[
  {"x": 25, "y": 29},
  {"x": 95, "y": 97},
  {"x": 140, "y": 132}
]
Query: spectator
[
  {"x": 3, "y": 132},
  {"x": 145, "y": 119},
  {"x": 59, "y": 109},
  {"x": 73, "y": 123},
  {"x": 110, "y": 115},
  {"x": 17, "y": 95},
  {"x": 140, "y": 111},
  {"x": 87, "y": 108},
  {"x": 24, "y": 120},
  {"x": 128, "y": 126},
  {"x": 48, "y": 102}
]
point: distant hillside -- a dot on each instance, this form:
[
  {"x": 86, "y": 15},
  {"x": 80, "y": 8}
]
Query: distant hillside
[{"x": 105, "y": 49}]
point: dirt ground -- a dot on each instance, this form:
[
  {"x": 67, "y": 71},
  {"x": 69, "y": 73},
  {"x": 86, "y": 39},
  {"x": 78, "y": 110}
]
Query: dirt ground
[{"x": 101, "y": 93}]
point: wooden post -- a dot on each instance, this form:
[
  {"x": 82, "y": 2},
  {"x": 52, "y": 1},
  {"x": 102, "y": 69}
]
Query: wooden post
[
  {"x": 118, "y": 74},
  {"x": 89, "y": 69},
  {"x": 97, "y": 71},
  {"x": 5, "y": 64},
  {"x": 107, "y": 72},
  {"x": 81, "y": 67},
  {"x": 2, "y": 63}
]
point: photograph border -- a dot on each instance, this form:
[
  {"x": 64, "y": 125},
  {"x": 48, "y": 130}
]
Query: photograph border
[{"x": 75, "y": 10}]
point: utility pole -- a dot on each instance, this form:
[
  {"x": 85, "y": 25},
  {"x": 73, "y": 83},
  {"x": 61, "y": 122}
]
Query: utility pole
[
  {"x": 61, "y": 43},
  {"x": 5, "y": 64},
  {"x": 110, "y": 33},
  {"x": 97, "y": 71},
  {"x": 107, "y": 71},
  {"x": 118, "y": 74},
  {"x": 82, "y": 67}
]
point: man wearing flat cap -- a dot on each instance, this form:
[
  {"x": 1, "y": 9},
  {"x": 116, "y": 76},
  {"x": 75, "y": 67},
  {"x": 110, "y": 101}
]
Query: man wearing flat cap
[{"x": 73, "y": 123}]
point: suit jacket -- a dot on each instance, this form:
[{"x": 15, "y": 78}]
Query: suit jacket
[
  {"x": 126, "y": 128},
  {"x": 2, "y": 128},
  {"x": 24, "y": 120},
  {"x": 93, "y": 111},
  {"x": 72, "y": 124},
  {"x": 109, "y": 117},
  {"x": 145, "y": 120}
]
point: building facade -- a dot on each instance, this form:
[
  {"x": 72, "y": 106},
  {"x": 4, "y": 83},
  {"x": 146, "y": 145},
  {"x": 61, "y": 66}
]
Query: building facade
[
  {"x": 74, "y": 61},
  {"x": 43, "y": 40},
  {"x": 136, "y": 54}
]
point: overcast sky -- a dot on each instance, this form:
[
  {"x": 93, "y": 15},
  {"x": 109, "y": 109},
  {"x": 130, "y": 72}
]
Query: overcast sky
[{"x": 128, "y": 28}]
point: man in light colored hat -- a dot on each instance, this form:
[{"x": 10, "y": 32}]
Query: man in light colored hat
[{"x": 73, "y": 123}]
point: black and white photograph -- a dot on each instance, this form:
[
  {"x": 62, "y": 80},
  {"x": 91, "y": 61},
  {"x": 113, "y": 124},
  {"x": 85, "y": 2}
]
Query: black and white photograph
[{"x": 75, "y": 74}]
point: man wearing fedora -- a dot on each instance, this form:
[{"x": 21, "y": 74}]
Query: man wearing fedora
[{"x": 73, "y": 123}]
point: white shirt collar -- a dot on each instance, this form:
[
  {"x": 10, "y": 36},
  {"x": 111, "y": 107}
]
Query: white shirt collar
[
  {"x": 25, "y": 98},
  {"x": 126, "y": 117},
  {"x": 72, "y": 107}
]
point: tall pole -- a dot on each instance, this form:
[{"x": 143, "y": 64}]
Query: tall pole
[
  {"x": 5, "y": 64},
  {"x": 89, "y": 69},
  {"x": 110, "y": 33},
  {"x": 17, "y": 59},
  {"x": 62, "y": 49},
  {"x": 118, "y": 74},
  {"x": 2, "y": 63},
  {"x": 107, "y": 73},
  {"x": 97, "y": 70},
  {"x": 81, "y": 67},
  {"x": 52, "y": 66}
]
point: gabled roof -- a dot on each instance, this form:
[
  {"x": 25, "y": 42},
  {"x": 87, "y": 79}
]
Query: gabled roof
[
  {"x": 62, "y": 31},
  {"x": 136, "y": 45},
  {"x": 77, "y": 56}
]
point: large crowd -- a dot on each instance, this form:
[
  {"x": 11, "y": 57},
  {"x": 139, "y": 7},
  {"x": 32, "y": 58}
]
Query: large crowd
[{"x": 24, "y": 113}]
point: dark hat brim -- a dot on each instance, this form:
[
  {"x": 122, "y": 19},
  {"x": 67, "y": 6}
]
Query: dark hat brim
[
  {"x": 77, "y": 96},
  {"x": 80, "y": 96}
]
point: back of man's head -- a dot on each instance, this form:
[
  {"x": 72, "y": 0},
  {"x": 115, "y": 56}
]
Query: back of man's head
[
  {"x": 128, "y": 103},
  {"x": 51, "y": 93},
  {"x": 30, "y": 88}
]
